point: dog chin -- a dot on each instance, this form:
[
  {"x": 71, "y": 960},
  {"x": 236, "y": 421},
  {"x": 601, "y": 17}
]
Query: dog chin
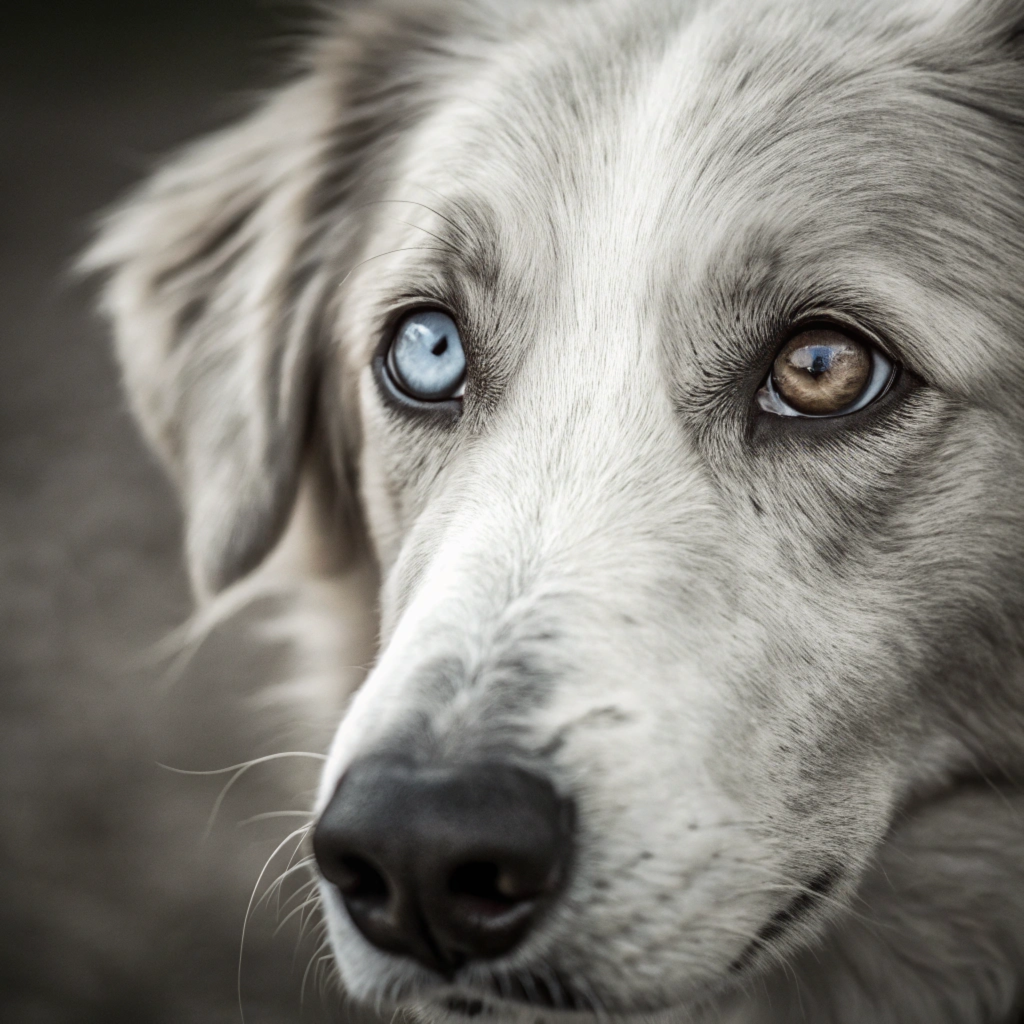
[
  {"x": 461, "y": 1007},
  {"x": 528, "y": 994},
  {"x": 529, "y": 998},
  {"x": 457, "y": 1005}
]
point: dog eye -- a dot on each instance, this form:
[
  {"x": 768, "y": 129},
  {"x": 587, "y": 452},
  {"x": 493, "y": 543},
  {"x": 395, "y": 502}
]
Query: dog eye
[
  {"x": 425, "y": 359},
  {"x": 823, "y": 372}
]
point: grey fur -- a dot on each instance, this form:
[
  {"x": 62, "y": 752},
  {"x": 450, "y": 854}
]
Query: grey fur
[{"x": 778, "y": 663}]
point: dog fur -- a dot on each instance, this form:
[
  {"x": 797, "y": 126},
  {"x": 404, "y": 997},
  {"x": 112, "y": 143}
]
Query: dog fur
[{"x": 779, "y": 664}]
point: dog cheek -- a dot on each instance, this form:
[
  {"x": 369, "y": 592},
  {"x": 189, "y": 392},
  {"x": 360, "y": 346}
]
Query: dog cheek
[{"x": 695, "y": 801}]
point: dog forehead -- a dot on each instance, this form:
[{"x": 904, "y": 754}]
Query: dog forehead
[
  {"x": 618, "y": 104},
  {"x": 669, "y": 153}
]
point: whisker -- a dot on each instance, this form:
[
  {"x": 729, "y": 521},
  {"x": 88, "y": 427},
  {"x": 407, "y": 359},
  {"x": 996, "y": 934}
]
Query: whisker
[
  {"x": 305, "y": 887},
  {"x": 737, "y": 823},
  {"x": 244, "y": 764},
  {"x": 783, "y": 883},
  {"x": 456, "y": 204},
  {"x": 180, "y": 646},
  {"x": 269, "y": 815},
  {"x": 308, "y": 860},
  {"x": 736, "y": 933},
  {"x": 798, "y": 889},
  {"x": 239, "y": 770},
  {"x": 324, "y": 965},
  {"x": 587, "y": 991},
  {"x": 248, "y": 910},
  {"x": 309, "y": 967},
  {"x": 318, "y": 934},
  {"x": 390, "y": 252},
  {"x": 449, "y": 247},
  {"x": 296, "y": 910},
  {"x": 553, "y": 983},
  {"x": 457, "y": 228},
  {"x": 423, "y": 206},
  {"x": 279, "y": 881},
  {"x": 437, "y": 213},
  {"x": 502, "y": 984},
  {"x": 788, "y": 969},
  {"x": 308, "y": 917}
]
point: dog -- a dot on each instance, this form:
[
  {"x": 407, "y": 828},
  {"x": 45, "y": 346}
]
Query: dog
[{"x": 646, "y": 376}]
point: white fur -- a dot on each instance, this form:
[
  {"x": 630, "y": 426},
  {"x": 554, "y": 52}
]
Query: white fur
[{"x": 775, "y": 670}]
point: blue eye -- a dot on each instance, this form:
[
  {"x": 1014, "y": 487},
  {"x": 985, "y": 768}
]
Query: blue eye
[{"x": 426, "y": 360}]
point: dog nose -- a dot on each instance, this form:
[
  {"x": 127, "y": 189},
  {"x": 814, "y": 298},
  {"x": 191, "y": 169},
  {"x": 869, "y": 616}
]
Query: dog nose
[{"x": 444, "y": 864}]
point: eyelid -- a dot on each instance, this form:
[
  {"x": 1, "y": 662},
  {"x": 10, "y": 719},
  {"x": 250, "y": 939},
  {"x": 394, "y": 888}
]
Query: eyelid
[
  {"x": 834, "y": 320},
  {"x": 398, "y": 309}
]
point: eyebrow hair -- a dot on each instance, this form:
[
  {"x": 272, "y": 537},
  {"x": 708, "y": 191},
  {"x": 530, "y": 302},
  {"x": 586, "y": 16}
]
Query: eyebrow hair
[
  {"x": 472, "y": 237},
  {"x": 467, "y": 239}
]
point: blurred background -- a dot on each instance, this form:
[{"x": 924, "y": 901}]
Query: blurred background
[{"x": 114, "y": 907}]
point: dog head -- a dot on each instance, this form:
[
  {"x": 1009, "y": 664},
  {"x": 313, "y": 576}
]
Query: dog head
[{"x": 670, "y": 356}]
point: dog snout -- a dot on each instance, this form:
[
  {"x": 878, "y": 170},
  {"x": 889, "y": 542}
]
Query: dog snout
[{"x": 444, "y": 864}]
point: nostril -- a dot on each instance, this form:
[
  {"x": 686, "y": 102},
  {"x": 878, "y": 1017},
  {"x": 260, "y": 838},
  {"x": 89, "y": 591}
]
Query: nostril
[
  {"x": 485, "y": 882},
  {"x": 491, "y": 889},
  {"x": 358, "y": 879}
]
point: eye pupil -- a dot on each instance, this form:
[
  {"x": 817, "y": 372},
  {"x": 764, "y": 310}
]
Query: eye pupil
[{"x": 440, "y": 348}]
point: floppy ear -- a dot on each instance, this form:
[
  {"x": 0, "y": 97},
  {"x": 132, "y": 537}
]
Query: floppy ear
[
  {"x": 213, "y": 328},
  {"x": 222, "y": 267}
]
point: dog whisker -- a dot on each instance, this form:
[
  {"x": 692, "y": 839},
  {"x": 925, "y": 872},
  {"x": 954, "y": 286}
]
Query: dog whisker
[
  {"x": 553, "y": 983},
  {"x": 304, "y": 888},
  {"x": 239, "y": 770},
  {"x": 459, "y": 230},
  {"x": 597, "y": 1006},
  {"x": 300, "y": 833},
  {"x": 181, "y": 645},
  {"x": 325, "y": 970},
  {"x": 317, "y": 935},
  {"x": 310, "y": 901},
  {"x": 430, "y": 209},
  {"x": 278, "y": 885},
  {"x": 290, "y": 870},
  {"x": 306, "y": 861},
  {"x": 410, "y": 202},
  {"x": 800, "y": 889},
  {"x": 746, "y": 934},
  {"x": 271, "y": 815},
  {"x": 390, "y": 252},
  {"x": 781, "y": 883},
  {"x": 305, "y": 975},
  {"x": 308, "y": 917}
]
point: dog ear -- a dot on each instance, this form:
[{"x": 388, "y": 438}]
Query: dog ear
[
  {"x": 223, "y": 266},
  {"x": 212, "y": 327}
]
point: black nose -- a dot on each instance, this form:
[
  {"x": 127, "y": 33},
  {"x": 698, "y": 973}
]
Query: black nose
[{"x": 443, "y": 864}]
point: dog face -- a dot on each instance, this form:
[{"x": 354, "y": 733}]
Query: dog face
[{"x": 671, "y": 356}]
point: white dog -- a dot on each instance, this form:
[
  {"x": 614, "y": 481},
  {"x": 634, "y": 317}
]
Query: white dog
[{"x": 664, "y": 361}]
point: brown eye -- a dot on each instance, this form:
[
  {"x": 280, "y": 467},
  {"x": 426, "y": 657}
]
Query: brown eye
[
  {"x": 825, "y": 372},
  {"x": 820, "y": 372}
]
